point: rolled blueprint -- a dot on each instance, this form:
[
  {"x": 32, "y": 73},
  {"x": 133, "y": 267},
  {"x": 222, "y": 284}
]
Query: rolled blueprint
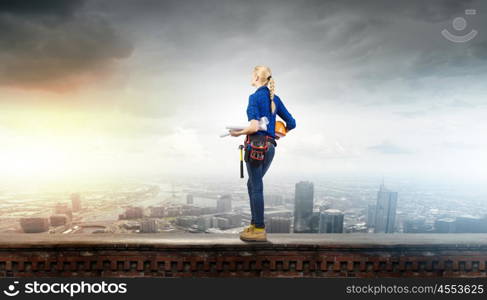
[{"x": 262, "y": 126}]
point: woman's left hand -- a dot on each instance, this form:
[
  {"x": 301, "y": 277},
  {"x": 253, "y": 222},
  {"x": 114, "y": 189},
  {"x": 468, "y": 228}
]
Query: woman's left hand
[{"x": 234, "y": 132}]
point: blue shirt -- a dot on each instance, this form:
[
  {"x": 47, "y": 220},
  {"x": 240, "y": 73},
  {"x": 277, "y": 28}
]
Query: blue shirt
[{"x": 260, "y": 106}]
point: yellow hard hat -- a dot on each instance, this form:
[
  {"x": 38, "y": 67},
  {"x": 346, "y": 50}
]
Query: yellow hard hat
[{"x": 280, "y": 129}]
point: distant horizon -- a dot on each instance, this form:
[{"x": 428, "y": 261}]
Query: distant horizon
[{"x": 391, "y": 182}]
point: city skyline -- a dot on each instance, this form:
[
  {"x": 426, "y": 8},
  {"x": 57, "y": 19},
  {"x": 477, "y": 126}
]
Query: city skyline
[{"x": 334, "y": 207}]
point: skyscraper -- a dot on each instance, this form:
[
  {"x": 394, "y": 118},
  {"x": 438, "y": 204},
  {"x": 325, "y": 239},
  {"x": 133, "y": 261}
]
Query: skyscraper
[
  {"x": 371, "y": 215},
  {"x": 303, "y": 206},
  {"x": 76, "y": 202},
  {"x": 148, "y": 226},
  {"x": 470, "y": 224},
  {"x": 445, "y": 225},
  {"x": 331, "y": 221},
  {"x": 189, "y": 199},
  {"x": 34, "y": 224},
  {"x": 314, "y": 222},
  {"x": 385, "y": 213}
]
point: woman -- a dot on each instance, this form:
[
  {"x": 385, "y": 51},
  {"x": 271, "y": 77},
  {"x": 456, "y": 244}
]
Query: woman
[{"x": 263, "y": 103}]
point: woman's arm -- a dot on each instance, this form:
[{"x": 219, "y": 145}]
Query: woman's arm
[
  {"x": 253, "y": 116},
  {"x": 286, "y": 116},
  {"x": 253, "y": 128}
]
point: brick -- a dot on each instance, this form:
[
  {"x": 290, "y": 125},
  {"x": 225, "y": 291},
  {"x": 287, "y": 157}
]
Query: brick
[{"x": 228, "y": 261}]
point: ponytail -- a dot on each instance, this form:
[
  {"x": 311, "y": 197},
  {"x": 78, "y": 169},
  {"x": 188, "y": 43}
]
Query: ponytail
[{"x": 272, "y": 87}]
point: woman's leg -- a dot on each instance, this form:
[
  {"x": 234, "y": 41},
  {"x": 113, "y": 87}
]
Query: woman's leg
[
  {"x": 257, "y": 198},
  {"x": 249, "y": 189},
  {"x": 256, "y": 175}
]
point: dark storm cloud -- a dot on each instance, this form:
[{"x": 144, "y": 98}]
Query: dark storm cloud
[
  {"x": 428, "y": 11},
  {"x": 55, "y": 45},
  {"x": 48, "y": 7},
  {"x": 312, "y": 10},
  {"x": 480, "y": 50},
  {"x": 370, "y": 39},
  {"x": 366, "y": 40}
]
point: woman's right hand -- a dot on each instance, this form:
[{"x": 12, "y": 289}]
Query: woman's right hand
[{"x": 235, "y": 133}]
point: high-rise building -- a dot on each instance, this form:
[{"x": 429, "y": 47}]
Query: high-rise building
[
  {"x": 148, "y": 226},
  {"x": 224, "y": 203},
  {"x": 76, "y": 201},
  {"x": 470, "y": 224},
  {"x": 314, "y": 222},
  {"x": 279, "y": 225},
  {"x": 370, "y": 215},
  {"x": 331, "y": 221},
  {"x": 34, "y": 224},
  {"x": 445, "y": 225},
  {"x": 189, "y": 199},
  {"x": 303, "y": 206},
  {"x": 385, "y": 212}
]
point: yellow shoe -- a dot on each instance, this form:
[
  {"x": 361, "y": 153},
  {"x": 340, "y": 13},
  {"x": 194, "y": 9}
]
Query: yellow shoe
[
  {"x": 248, "y": 228},
  {"x": 255, "y": 235}
]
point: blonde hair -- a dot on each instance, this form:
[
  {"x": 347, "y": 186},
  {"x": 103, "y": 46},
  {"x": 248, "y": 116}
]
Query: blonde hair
[{"x": 265, "y": 78}]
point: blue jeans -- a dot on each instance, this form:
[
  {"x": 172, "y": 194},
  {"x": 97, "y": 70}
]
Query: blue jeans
[{"x": 255, "y": 187}]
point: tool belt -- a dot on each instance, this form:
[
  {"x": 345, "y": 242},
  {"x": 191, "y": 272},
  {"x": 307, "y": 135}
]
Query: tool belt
[{"x": 256, "y": 146}]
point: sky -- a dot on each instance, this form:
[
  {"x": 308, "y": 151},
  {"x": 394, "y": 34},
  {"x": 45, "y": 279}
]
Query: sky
[{"x": 141, "y": 88}]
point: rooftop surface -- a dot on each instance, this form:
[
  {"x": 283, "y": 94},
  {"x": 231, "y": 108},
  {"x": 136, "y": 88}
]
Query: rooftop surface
[{"x": 188, "y": 240}]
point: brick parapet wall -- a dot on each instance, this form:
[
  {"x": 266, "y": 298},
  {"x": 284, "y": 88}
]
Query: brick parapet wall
[{"x": 286, "y": 255}]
